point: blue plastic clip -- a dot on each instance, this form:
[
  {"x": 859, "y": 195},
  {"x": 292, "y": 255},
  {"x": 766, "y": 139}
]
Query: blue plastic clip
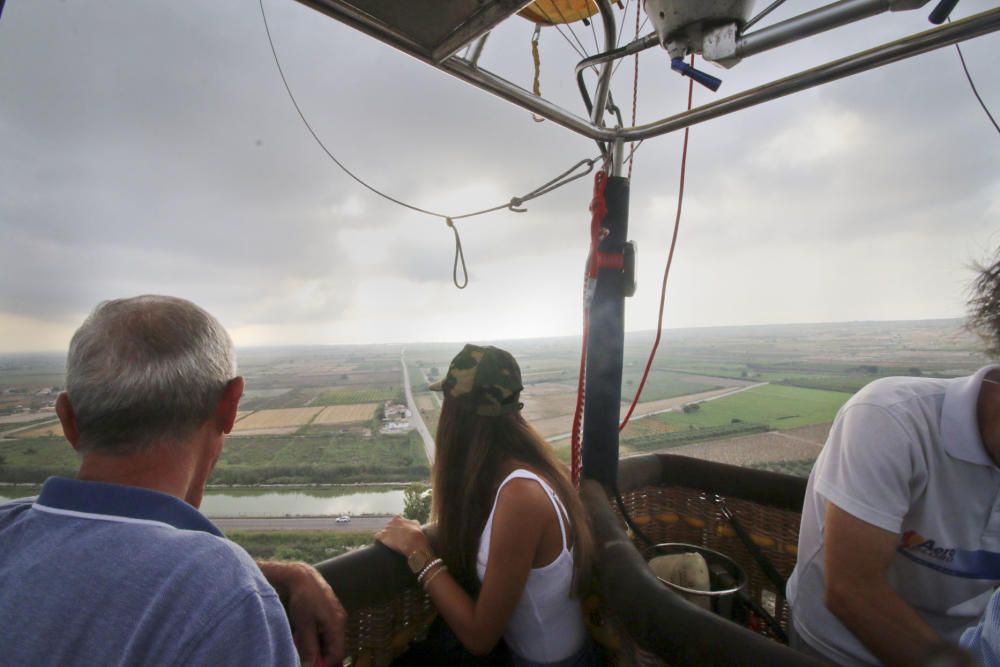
[{"x": 707, "y": 80}]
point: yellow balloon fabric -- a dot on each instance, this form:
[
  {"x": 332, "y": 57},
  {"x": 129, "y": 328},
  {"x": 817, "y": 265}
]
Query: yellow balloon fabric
[{"x": 551, "y": 12}]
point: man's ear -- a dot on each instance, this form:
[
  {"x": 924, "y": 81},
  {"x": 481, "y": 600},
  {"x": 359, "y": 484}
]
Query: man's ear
[
  {"x": 64, "y": 409},
  {"x": 229, "y": 404}
]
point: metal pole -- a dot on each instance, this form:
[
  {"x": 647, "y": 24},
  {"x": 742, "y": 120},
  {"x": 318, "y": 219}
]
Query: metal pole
[
  {"x": 811, "y": 23},
  {"x": 604, "y": 81},
  {"x": 946, "y": 35},
  {"x": 935, "y": 38},
  {"x": 477, "y": 50}
]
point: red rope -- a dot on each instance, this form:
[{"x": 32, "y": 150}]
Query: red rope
[
  {"x": 666, "y": 270},
  {"x": 598, "y": 211}
]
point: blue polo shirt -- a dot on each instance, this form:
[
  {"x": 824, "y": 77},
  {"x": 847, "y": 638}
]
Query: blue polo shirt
[{"x": 105, "y": 574}]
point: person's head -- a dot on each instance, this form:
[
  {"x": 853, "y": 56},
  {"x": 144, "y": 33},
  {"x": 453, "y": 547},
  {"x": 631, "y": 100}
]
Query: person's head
[
  {"x": 146, "y": 372},
  {"x": 480, "y": 433},
  {"x": 984, "y": 306}
]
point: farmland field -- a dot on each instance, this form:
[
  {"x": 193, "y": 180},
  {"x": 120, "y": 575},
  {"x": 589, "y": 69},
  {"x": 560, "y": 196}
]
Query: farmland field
[
  {"x": 778, "y": 407},
  {"x": 350, "y": 395},
  {"x": 321, "y": 458},
  {"x": 35, "y": 459},
  {"x": 51, "y": 430},
  {"x": 275, "y": 419},
  {"x": 346, "y": 414}
]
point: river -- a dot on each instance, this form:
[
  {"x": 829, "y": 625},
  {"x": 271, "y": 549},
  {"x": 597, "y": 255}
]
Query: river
[{"x": 281, "y": 501}]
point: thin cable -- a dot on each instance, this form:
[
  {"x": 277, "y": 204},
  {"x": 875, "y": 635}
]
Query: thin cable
[
  {"x": 619, "y": 63},
  {"x": 621, "y": 28},
  {"x": 635, "y": 90},
  {"x": 666, "y": 270},
  {"x": 973, "y": 86},
  {"x": 569, "y": 27},
  {"x": 514, "y": 204},
  {"x": 555, "y": 25}
]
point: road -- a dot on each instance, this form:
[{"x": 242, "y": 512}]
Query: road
[
  {"x": 640, "y": 414},
  {"x": 365, "y": 524},
  {"x": 415, "y": 412}
]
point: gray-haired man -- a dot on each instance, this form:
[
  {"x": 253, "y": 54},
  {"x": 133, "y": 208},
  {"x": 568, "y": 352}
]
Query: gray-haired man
[{"x": 117, "y": 566}]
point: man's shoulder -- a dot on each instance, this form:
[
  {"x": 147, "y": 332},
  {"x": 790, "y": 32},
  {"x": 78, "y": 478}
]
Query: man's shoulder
[
  {"x": 217, "y": 561},
  {"x": 898, "y": 392},
  {"x": 909, "y": 402},
  {"x": 10, "y": 510}
]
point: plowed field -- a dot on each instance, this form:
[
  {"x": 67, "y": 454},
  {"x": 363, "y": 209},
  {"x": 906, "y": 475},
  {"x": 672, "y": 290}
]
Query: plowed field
[
  {"x": 271, "y": 419},
  {"x": 346, "y": 414}
]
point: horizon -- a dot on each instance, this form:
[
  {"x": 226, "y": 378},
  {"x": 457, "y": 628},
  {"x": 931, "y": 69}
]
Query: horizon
[{"x": 959, "y": 330}]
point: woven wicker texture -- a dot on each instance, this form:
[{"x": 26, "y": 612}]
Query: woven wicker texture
[
  {"x": 379, "y": 633},
  {"x": 678, "y": 514}
]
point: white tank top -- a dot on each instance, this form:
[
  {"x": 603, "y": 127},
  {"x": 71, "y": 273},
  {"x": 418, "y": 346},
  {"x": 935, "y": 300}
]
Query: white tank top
[{"x": 547, "y": 623}]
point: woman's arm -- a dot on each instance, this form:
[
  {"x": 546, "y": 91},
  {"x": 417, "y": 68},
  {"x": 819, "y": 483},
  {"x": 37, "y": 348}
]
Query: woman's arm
[{"x": 522, "y": 514}]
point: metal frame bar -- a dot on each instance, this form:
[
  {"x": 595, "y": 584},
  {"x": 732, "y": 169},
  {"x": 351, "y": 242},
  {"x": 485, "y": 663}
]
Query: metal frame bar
[
  {"x": 923, "y": 42},
  {"x": 810, "y": 23}
]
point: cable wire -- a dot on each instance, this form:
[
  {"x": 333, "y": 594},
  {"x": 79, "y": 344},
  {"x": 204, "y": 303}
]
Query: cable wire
[
  {"x": 973, "y": 86},
  {"x": 666, "y": 270},
  {"x": 514, "y": 204}
]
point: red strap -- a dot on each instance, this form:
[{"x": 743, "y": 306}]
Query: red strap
[
  {"x": 610, "y": 260},
  {"x": 598, "y": 211}
]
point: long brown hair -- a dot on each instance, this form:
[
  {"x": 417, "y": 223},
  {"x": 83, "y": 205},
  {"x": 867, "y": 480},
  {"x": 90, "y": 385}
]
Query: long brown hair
[{"x": 472, "y": 453}]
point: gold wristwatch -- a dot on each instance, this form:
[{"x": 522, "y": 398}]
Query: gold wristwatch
[{"x": 418, "y": 560}]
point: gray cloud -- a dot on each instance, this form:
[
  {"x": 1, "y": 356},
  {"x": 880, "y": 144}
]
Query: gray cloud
[{"x": 151, "y": 147}]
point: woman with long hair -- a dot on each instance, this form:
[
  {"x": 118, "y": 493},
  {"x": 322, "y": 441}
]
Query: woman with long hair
[{"x": 513, "y": 544}]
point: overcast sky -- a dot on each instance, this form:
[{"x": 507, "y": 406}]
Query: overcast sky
[{"x": 150, "y": 147}]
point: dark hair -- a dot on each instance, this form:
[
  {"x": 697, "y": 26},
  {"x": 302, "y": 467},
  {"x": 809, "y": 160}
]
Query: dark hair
[
  {"x": 471, "y": 453},
  {"x": 984, "y": 306}
]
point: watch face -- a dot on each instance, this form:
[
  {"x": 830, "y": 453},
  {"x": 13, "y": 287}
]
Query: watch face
[{"x": 418, "y": 560}]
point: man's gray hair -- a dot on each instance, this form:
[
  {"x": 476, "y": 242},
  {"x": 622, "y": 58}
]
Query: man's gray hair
[{"x": 144, "y": 371}]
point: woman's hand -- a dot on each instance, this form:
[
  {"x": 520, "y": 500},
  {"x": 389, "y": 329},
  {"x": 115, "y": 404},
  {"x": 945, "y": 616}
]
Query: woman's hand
[{"x": 403, "y": 536}]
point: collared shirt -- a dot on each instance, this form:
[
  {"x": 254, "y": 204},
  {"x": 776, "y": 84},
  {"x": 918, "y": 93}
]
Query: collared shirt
[
  {"x": 905, "y": 454},
  {"x": 104, "y": 574}
]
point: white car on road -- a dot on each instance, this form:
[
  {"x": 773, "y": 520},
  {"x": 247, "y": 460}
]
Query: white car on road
[{"x": 342, "y": 519}]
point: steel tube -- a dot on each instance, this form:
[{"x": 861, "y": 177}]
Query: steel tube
[
  {"x": 477, "y": 50},
  {"x": 604, "y": 80},
  {"x": 799, "y": 27},
  {"x": 946, "y": 35},
  {"x": 523, "y": 98}
]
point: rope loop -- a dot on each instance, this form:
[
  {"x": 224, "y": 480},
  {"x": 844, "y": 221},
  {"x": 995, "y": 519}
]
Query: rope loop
[
  {"x": 459, "y": 257},
  {"x": 536, "y": 85}
]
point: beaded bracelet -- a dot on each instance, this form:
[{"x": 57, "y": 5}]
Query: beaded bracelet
[
  {"x": 434, "y": 574},
  {"x": 427, "y": 568}
]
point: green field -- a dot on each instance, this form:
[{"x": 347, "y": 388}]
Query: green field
[
  {"x": 36, "y": 453},
  {"x": 313, "y": 459},
  {"x": 321, "y": 459},
  {"x": 661, "y": 384},
  {"x": 777, "y": 407},
  {"x": 308, "y": 546}
]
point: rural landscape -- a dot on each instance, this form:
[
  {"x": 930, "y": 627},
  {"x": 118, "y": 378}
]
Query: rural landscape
[{"x": 345, "y": 431}]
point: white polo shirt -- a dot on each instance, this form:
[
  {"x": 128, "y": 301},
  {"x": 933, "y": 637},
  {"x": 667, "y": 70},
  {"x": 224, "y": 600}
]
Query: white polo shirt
[{"x": 905, "y": 454}]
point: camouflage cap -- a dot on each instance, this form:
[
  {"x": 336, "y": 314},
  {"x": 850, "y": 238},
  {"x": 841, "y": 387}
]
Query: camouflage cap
[{"x": 484, "y": 380}]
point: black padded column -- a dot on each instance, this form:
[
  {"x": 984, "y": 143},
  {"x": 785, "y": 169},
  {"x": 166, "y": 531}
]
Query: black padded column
[{"x": 605, "y": 344}]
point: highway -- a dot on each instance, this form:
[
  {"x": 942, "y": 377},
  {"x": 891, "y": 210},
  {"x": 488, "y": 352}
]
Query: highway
[
  {"x": 415, "y": 412},
  {"x": 366, "y": 524}
]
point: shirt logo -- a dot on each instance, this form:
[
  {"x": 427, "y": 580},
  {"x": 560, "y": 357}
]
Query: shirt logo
[
  {"x": 967, "y": 564},
  {"x": 916, "y": 544}
]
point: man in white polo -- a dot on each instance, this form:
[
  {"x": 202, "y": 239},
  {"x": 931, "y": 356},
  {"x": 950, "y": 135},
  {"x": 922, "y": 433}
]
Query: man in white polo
[
  {"x": 117, "y": 566},
  {"x": 899, "y": 549}
]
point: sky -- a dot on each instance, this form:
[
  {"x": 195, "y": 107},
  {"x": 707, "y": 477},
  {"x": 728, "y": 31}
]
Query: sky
[{"x": 149, "y": 147}]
